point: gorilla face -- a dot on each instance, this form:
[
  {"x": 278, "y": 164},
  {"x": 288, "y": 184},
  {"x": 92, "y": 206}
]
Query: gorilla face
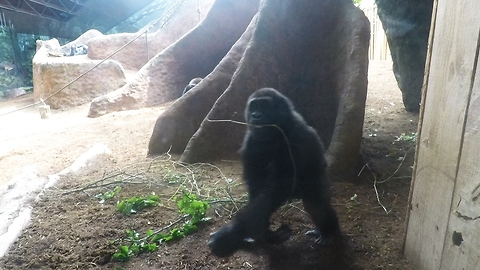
[
  {"x": 267, "y": 107},
  {"x": 260, "y": 111}
]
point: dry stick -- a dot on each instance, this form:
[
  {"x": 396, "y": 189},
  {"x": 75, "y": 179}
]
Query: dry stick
[
  {"x": 398, "y": 168},
  {"x": 218, "y": 169},
  {"x": 375, "y": 188},
  {"x": 226, "y": 200},
  {"x": 139, "y": 175},
  {"x": 178, "y": 189},
  {"x": 89, "y": 185},
  {"x": 231, "y": 198},
  {"x": 293, "y": 206},
  {"x": 375, "y": 182},
  {"x": 193, "y": 182},
  {"x": 376, "y": 194},
  {"x": 94, "y": 184}
]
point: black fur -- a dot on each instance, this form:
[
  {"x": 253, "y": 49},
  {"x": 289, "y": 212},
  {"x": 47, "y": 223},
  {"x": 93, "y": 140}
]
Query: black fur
[
  {"x": 191, "y": 84},
  {"x": 283, "y": 158}
]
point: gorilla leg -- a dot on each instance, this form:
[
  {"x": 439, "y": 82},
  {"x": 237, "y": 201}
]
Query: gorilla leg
[
  {"x": 323, "y": 216},
  {"x": 250, "y": 226}
]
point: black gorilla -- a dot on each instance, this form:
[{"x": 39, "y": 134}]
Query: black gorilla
[
  {"x": 191, "y": 84},
  {"x": 283, "y": 158}
]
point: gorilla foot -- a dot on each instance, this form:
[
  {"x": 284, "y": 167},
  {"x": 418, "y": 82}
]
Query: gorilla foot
[
  {"x": 278, "y": 236},
  {"x": 322, "y": 239}
]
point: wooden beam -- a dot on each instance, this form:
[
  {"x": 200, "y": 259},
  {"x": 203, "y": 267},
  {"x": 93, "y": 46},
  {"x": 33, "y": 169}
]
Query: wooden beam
[
  {"x": 446, "y": 97},
  {"x": 462, "y": 241}
]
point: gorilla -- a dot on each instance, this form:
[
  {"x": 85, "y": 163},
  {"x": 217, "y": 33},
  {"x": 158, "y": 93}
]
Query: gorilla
[
  {"x": 191, "y": 84},
  {"x": 283, "y": 159}
]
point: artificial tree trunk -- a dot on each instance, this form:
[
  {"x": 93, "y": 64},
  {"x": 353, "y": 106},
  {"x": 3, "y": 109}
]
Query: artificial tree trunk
[
  {"x": 196, "y": 54},
  {"x": 315, "y": 52},
  {"x": 407, "y": 25}
]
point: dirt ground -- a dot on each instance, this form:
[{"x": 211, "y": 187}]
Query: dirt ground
[{"x": 71, "y": 229}]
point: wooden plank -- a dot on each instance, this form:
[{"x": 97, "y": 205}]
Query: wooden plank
[
  {"x": 441, "y": 134},
  {"x": 462, "y": 242}
]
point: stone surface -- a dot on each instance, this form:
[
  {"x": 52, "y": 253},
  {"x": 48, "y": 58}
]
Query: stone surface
[
  {"x": 196, "y": 54},
  {"x": 51, "y": 73},
  {"x": 81, "y": 40},
  {"x": 15, "y": 92},
  {"x": 143, "y": 47},
  {"x": 407, "y": 25}
]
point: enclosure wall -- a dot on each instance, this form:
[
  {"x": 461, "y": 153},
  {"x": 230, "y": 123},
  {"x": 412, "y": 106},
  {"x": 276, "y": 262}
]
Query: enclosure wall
[{"x": 444, "y": 218}]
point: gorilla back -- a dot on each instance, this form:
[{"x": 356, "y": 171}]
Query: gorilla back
[{"x": 283, "y": 158}]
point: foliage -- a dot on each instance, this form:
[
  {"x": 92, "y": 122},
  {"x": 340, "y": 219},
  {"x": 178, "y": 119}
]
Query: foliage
[
  {"x": 6, "y": 52},
  {"x": 25, "y": 45},
  {"x": 134, "y": 204},
  {"x": 407, "y": 138},
  {"x": 138, "y": 245},
  {"x": 28, "y": 48},
  {"x": 108, "y": 194},
  {"x": 188, "y": 204}
]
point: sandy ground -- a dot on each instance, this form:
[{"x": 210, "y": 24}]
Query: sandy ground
[{"x": 53, "y": 144}]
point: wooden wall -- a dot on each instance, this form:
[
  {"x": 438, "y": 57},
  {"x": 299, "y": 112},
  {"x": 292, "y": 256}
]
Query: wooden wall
[{"x": 443, "y": 229}]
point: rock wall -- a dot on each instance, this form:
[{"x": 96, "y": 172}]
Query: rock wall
[
  {"x": 140, "y": 51},
  {"x": 407, "y": 25},
  {"x": 51, "y": 73}
]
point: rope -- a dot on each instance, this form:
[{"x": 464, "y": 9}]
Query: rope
[{"x": 199, "y": 11}]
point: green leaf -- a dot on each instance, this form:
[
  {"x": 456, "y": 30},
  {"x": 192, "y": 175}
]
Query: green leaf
[
  {"x": 108, "y": 194},
  {"x": 124, "y": 250},
  {"x": 117, "y": 189},
  {"x": 121, "y": 257},
  {"x": 151, "y": 247},
  {"x": 135, "y": 204},
  {"x": 189, "y": 229},
  {"x": 157, "y": 238},
  {"x": 134, "y": 249}
]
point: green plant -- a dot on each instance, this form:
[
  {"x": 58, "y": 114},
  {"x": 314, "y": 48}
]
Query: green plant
[
  {"x": 408, "y": 138},
  {"x": 196, "y": 209},
  {"x": 189, "y": 205},
  {"x": 108, "y": 194},
  {"x": 137, "y": 245},
  {"x": 134, "y": 204}
]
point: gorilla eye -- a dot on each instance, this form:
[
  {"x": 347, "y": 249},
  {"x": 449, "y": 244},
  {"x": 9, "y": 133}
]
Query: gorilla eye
[{"x": 257, "y": 115}]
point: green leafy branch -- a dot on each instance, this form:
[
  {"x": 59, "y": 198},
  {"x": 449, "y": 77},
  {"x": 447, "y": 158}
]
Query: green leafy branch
[
  {"x": 134, "y": 204},
  {"x": 189, "y": 205},
  {"x": 108, "y": 195},
  {"x": 407, "y": 138}
]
